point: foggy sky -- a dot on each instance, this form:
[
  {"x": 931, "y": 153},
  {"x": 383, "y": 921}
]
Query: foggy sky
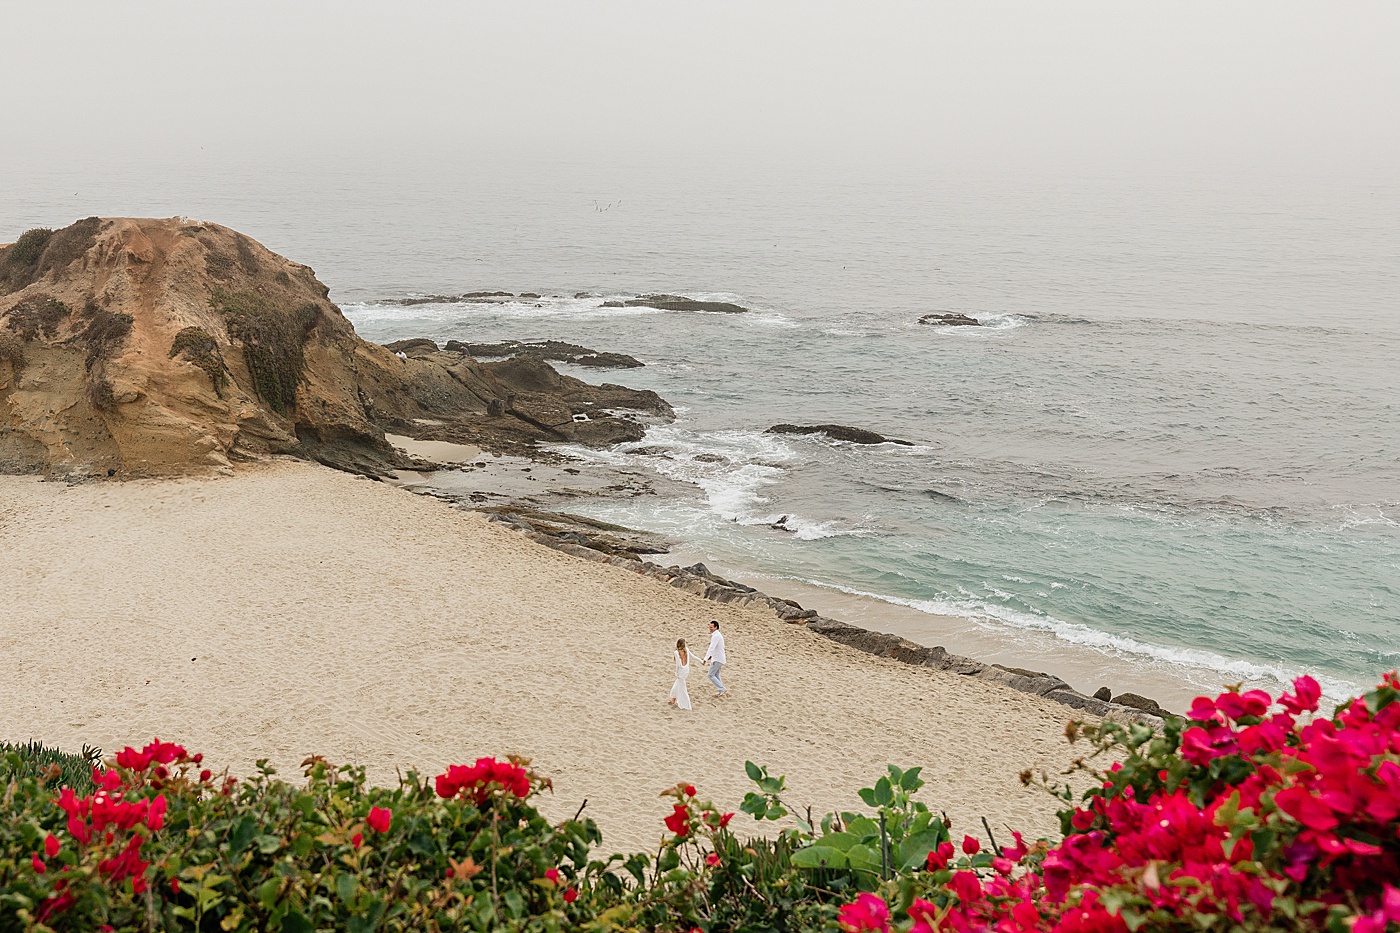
[{"x": 1284, "y": 84}]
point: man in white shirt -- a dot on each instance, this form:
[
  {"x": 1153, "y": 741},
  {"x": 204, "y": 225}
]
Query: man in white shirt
[{"x": 715, "y": 656}]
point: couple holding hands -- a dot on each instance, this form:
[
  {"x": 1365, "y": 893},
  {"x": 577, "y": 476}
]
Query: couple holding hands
[{"x": 714, "y": 657}]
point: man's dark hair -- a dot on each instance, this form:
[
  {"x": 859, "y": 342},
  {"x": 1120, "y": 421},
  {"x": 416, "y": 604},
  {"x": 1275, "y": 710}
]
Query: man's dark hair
[{"x": 715, "y": 623}]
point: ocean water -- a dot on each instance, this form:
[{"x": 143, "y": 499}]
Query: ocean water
[{"x": 1170, "y": 454}]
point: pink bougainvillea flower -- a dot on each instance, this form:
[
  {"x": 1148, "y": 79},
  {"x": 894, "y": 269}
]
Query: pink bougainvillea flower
[
  {"x": 939, "y": 858},
  {"x": 551, "y": 875},
  {"x": 1304, "y": 698},
  {"x": 679, "y": 820},
  {"x": 971, "y": 846},
  {"x": 690, "y": 790},
  {"x": 1305, "y": 808},
  {"x": 712, "y": 860},
  {"x": 51, "y": 845},
  {"x": 38, "y": 863},
  {"x": 379, "y": 819},
  {"x": 357, "y": 840},
  {"x": 865, "y": 914},
  {"x": 570, "y": 895},
  {"x": 724, "y": 820}
]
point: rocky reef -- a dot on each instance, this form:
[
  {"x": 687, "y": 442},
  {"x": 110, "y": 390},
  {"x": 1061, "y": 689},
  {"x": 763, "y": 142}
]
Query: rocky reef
[
  {"x": 555, "y": 350},
  {"x": 950, "y": 319},
  {"x": 676, "y": 303},
  {"x": 149, "y": 347},
  {"x": 838, "y": 432}
]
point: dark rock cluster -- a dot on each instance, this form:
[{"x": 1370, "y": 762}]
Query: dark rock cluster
[{"x": 838, "y": 432}]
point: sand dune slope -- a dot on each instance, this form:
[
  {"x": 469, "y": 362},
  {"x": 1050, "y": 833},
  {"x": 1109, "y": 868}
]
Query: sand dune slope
[{"x": 291, "y": 609}]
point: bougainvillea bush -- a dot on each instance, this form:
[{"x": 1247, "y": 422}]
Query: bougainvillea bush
[
  {"x": 161, "y": 843},
  {"x": 1247, "y": 816}
]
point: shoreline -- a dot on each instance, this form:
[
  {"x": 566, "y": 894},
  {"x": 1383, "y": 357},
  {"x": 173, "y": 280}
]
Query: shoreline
[
  {"x": 290, "y": 609},
  {"x": 539, "y": 501}
]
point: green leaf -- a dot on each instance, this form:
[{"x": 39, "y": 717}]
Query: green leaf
[
  {"x": 819, "y": 856},
  {"x": 754, "y": 772},
  {"x": 864, "y": 827},
  {"x": 884, "y": 793},
  {"x": 910, "y": 781},
  {"x": 267, "y": 892},
  {"x": 296, "y": 922},
  {"x": 842, "y": 841},
  {"x": 345, "y": 886},
  {"x": 240, "y": 834},
  {"x": 268, "y": 844},
  {"x": 776, "y": 812},
  {"x": 913, "y": 850},
  {"x": 867, "y": 795},
  {"x": 669, "y": 859},
  {"x": 863, "y": 857}
]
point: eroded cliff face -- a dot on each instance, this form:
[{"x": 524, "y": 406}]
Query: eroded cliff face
[{"x": 150, "y": 347}]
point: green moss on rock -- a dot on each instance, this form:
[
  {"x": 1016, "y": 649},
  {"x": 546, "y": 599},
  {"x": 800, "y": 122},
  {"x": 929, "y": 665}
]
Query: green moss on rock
[
  {"x": 273, "y": 341},
  {"x": 201, "y": 349}
]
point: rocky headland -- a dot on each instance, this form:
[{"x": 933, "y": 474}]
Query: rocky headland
[{"x": 150, "y": 347}]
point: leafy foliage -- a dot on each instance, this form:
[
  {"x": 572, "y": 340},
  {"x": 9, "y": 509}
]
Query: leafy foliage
[
  {"x": 104, "y": 332},
  {"x": 273, "y": 340},
  {"x": 37, "y": 315},
  {"x": 1247, "y": 817},
  {"x": 53, "y": 767},
  {"x": 201, "y": 349},
  {"x": 30, "y": 246}
]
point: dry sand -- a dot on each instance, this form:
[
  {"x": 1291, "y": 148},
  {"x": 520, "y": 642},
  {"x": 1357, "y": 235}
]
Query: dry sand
[{"x": 291, "y": 609}]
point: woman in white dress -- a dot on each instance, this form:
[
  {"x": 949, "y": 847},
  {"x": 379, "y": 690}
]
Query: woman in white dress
[{"x": 680, "y": 698}]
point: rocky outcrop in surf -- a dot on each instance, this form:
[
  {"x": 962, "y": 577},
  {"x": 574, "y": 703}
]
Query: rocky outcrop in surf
[
  {"x": 950, "y": 319},
  {"x": 547, "y": 350},
  {"x": 145, "y": 347},
  {"x": 838, "y": 432},
  {"x": 676, "y": 303}
]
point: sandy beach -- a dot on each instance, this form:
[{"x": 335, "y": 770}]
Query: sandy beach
[{"x": 291, "y": 609}]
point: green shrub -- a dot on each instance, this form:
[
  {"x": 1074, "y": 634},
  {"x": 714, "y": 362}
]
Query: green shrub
[
  {"x": 162, "y": 844},
  {"x": 34, "y": 760},
  {"x": 29, "y": 247},
  {"x": 105, "y": 331},
  {"x": 11, "y": 351},
  {"x": 273, "y": 342},
  {"x": 37, "y": 315},
  {"x": 201, "y": 349}
]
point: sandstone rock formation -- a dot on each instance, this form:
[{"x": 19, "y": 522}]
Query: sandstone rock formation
[{"x": 143, "y": 347}]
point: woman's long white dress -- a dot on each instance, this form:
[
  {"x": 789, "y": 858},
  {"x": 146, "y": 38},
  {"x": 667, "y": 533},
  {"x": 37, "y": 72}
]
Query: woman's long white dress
[{"x": 678, "y": 691}]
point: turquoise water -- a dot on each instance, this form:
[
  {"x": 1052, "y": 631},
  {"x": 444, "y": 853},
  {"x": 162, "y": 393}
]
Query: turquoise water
[{"x": 1173, "y": 445}]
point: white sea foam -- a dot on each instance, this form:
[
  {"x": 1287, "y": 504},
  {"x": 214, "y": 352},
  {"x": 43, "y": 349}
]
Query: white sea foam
[{"x": 1200, "y": 666}]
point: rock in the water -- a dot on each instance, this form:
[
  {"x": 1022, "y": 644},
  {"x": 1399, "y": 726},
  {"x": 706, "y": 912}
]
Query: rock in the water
[
  {"x": 838, "y": 432},
  {"x": 1103, "y": 693},
  {"x": 949, "y": 319},
  {"x": 547, "y": 350},
  {"x": 676, "y": 303},
  {"x": 1134, "y": 701},
  {"x": 413, "y": 343}
]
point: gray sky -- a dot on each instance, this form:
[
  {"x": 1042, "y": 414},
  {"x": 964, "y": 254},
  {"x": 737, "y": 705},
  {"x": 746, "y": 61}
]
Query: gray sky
[{"x": 1195, "y": 84}]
